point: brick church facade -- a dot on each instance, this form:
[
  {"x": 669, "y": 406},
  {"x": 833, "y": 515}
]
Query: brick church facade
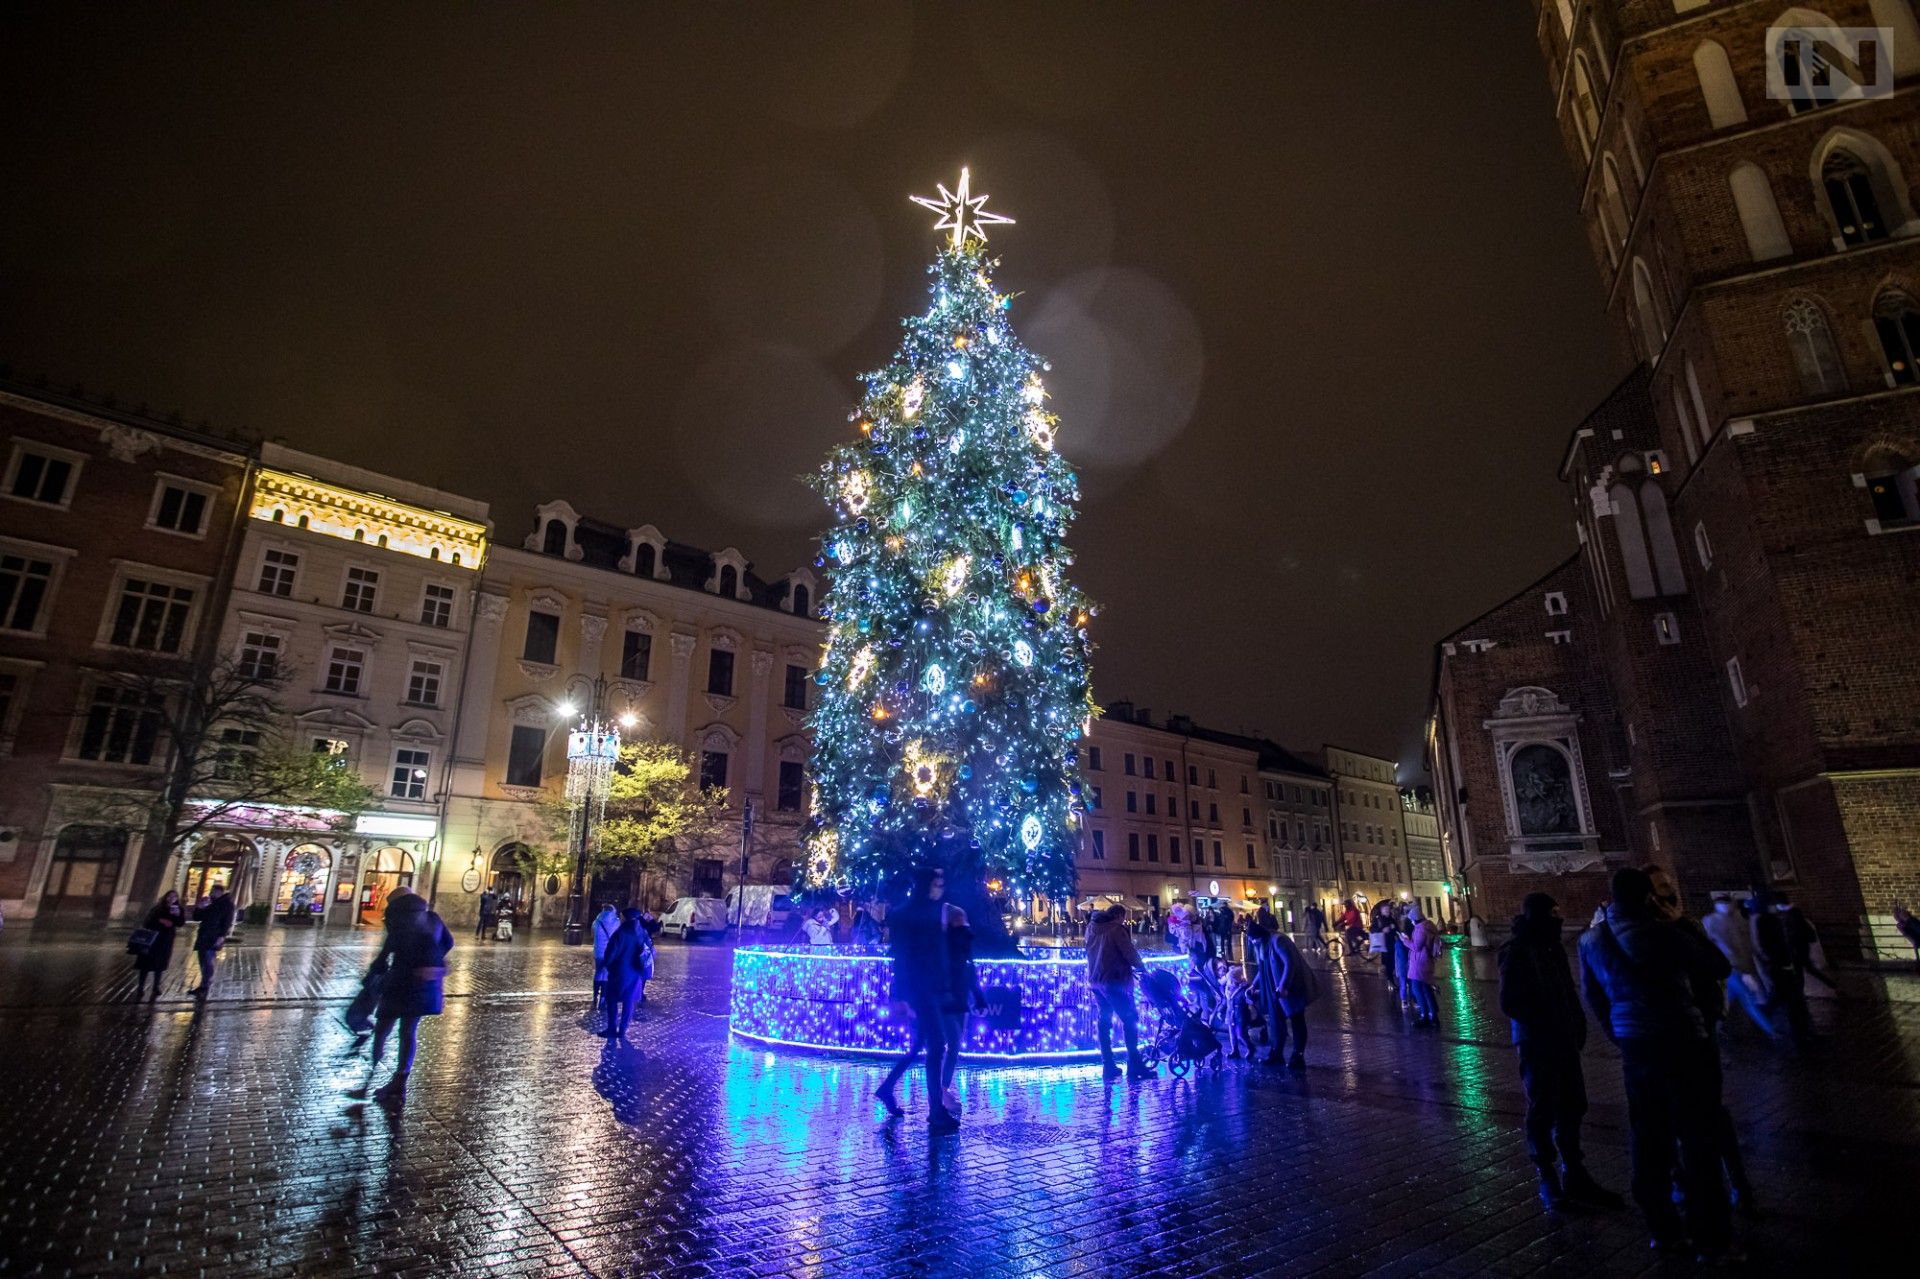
[{"x": 1725, "y": 676}]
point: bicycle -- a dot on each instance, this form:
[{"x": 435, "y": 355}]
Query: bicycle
[{"x": 1335, "y": 948}]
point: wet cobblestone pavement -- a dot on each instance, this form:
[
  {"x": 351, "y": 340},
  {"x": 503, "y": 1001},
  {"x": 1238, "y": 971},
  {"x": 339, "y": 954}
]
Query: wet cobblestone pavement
[{"x": 146, "y": 1139}]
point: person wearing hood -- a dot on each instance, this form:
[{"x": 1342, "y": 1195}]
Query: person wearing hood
[
  {"x": 1549, "y": 1030},
  {"x": 1423, "y": 957},
  {"x": 1112, "y": 964},
  {"x": 414, "y": 963},
  {"x": 1639, "y": 970},
  {"x": 605, "y": 925}
]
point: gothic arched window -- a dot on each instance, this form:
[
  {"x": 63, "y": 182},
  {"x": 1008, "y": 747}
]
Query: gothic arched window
[
  {"x": 1717, "y": 84},
  {"x": 1853, "y": 197},
  {"x": 1813, "y": 350},
  {"x": 1897, "y": 322},
  {"x": 1586, "y": 110}
]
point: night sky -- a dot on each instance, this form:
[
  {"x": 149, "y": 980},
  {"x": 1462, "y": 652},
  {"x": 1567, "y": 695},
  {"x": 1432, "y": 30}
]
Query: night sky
[{"x": 1319, "y": 306}]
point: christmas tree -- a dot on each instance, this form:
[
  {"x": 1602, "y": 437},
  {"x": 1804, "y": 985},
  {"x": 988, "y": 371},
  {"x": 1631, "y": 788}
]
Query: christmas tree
[{"x": 955, "y": 682}]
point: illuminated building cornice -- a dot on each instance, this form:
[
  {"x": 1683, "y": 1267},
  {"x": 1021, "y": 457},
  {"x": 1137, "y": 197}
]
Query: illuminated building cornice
[{"x": 280, "y": 497}]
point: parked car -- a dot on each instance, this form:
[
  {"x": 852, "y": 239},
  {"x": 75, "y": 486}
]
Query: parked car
[{"x": 695, "y": 917}]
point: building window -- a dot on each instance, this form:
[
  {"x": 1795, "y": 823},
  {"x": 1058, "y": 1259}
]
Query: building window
[
  {"x": 1213, "y": 814},
  {"x": 1855, "y": 205},
  {"x": 792, "y": 786},
  {"x": 1133, "y": 845},
  {"x": 151, "y": 616},
  {"x": 1251, "y": 865},
  {"x": 1150, "y": 804},
  {"x": 277, "y": 570},
  {"x": 1127, "y": 763},
  {"x": 729, "y": 581},
  {"x": 1213, "y": 781},
  {"x": 9, "y": 693},
  {"x": 1153, "y": 848},
  {"x": 802, "y": 601},
  {"x": 423, "y": 683},
  {"x": 1146, "y": 767},
  {"x": 1133, "y": 802},
  {"x": 1702, "y": 546},
  {"x": 1246, "y": 818},
  {"x": 1173, "y": 849},
  {"x": 1891, "y": 482},
  {"x": 1099, "y": 846},
  {"x": 436, "y": 605},
  {"x": 363, "y": 585},
  {"x": 409, "y": 773},
  {"x": 339, "y": 752},
  {"x": 1556, "y": 603},
  {"x": 259, "y": 655},
  {"x": 1813, "y": 350},
  {"x": 796, "y": 691},
  {"x": 1586, "y": 111},
  {"x": 1218, "y": 860},
  {"x": 526, "y": 752},
  {"x": 345, "y": 668},
  {"x": 713, "y": 768},
  {"x": 1193, "y": 810},
  {"x": 1193, "y": 775},
  {"x": 122, "y": 726},
  {"x": 553, "y": 539},
  {"x": 25, "y": 583},
  {"x": 543, "y": 638},
  {"x": 1666, "y": 628},
  {"x": 643, "y": 559},
  {"x": 720, "y": 672},
  {"x": 1093, "y": 758},
  {"x": 1897, "y": 321},
  {"x": 41, "y": 474},
  {"x": 1737, "y": 680},
  {"x": 636, "y": 655},
  {"x": 178, "y": 509}
]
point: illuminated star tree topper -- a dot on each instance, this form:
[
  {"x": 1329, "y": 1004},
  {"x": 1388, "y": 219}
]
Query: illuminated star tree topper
[{"x": 954, "y": 688}]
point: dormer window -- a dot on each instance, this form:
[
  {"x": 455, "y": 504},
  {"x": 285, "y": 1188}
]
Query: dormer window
[
  {"x": 729, "y": 580},
  {"x": 555, "y": 525},
  {"x": 729, "y": 575},
  {"x": 800, "y": 588},
  {"x": 643, "y": 559},
  {"x": 802, "y": 602},
  {"x": 646, "y": 553},
  {"x": 554, "y": 540}
]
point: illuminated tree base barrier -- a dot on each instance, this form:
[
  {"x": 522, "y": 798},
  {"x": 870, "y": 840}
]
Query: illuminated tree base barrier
[{"x": 835, "y": 999}]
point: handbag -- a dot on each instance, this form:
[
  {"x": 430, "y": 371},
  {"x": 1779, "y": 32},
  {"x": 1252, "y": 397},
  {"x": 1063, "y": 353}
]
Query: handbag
[
  {"x": 1377, "y": 942},
  {"x": 1000, "y": 1007},
  {"x": 142, "y": 940},
  {"x": 359, "y": 1014}
]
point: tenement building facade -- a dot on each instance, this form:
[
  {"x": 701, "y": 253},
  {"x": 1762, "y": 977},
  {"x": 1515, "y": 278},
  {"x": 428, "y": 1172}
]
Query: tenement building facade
[
  {"x": 117, "y": 534},
  {"x": 1725, "y": 677},
  {"x": 689, "y": 647}
]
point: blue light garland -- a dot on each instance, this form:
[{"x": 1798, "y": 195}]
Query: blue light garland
[{"x": 836, "y": 999}]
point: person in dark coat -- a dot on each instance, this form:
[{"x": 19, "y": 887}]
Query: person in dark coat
[
  {"x": 922, "y": 980},
  {"x": 214, "y": 914},
  {"x": 165, "y": 920},
  {"x": 1774, "y": 958},
  {"x": 1283, "y": 986},
  {"x": 1549, "y": 1030},
  {"x": 964, "y": 995},
  {"x": 1638, "y": 970},
  {"x": 489, "y": 913},
  {"x": 629, "y": 964},
  {"x": 413, "y": 963}
]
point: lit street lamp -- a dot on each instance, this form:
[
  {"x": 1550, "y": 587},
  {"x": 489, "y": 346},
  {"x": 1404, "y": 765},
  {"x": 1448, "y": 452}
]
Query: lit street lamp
[{"x": 593, "y": 751}]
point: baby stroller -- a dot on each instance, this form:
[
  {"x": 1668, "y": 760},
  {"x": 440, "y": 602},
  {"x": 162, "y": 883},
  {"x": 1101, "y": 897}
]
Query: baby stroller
[{"x": 1184, "y": 1039}]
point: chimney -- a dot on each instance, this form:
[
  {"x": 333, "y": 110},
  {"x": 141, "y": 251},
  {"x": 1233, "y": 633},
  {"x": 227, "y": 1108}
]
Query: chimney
[
  {"x": 1143, "y": 716},
  {"x": 1180, "y": 723},
  {"x": 1121, "y": 711}
]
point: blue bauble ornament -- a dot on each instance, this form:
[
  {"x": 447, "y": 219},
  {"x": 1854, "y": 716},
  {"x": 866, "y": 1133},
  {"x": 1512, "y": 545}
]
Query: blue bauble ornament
[
  {"x": 966, "y": 771},
  {"x": 1042, "y": 605},
  {"x": 968, "y": 706},
  {"x": 1031, "y": 785},
  {"x": 1018, "y": 495}
]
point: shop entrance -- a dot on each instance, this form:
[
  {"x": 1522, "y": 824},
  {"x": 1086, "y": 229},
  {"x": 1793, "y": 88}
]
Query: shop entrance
[
  {"x": 508, "y": 876},
  {"x": 86, "y": 866},
  {"x": 390, "y": 868},
  {"x": 223, "y": 862},
  {"x": 301, "y": 899}
]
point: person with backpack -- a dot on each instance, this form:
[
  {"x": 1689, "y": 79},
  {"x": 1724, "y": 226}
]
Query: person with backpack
[
  {"x": 1549, "y": 1030},
  {"x": 411, "y": 966},
  {"x": 1638, "y": 970}
]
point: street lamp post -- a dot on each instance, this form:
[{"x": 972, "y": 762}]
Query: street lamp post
[{"x": 593, "y": 750}]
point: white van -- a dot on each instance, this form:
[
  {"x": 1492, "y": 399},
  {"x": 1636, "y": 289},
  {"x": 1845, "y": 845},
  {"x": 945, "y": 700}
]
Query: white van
[{"x": 695, "y": 917}]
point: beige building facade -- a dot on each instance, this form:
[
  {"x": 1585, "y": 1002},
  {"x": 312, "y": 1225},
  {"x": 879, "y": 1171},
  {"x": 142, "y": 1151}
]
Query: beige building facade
[
  {"x": 1367, "y": 827},
  {"x": 692, "y": 648}
]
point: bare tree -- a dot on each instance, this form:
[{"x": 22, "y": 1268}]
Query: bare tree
[{"x": 224, "y": 731}]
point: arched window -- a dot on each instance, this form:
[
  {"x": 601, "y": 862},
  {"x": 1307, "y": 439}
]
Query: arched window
[
  {"x": 1653, "y": 321},
  {"x": 1853, "y": 197},
  {"x": 643, "y": 559},
  {"x": 1759, "y": 213},
  {"x": 1586, "y": 109},
  {"x": 1897, "y": 322},
  {"x": 1648, "y": 553},
  {"x": 554, "y": 540},
  {"x": 1701, "y": 419},
  {"x": 1813, "y": 351},
  {"x": 1891, "y": 480},
  {"x": 802, "y": 602},
  {"x": 1681, "y": 416},
  {"x": 1616, "y": 200},
  {"x": 1717, "y": 85},
  {"x": 729, "y": 580},
  {"x": 1566, "y": 17}
]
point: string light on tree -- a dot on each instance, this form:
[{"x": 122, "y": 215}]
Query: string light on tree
[{"x": 955, "y": 684}]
